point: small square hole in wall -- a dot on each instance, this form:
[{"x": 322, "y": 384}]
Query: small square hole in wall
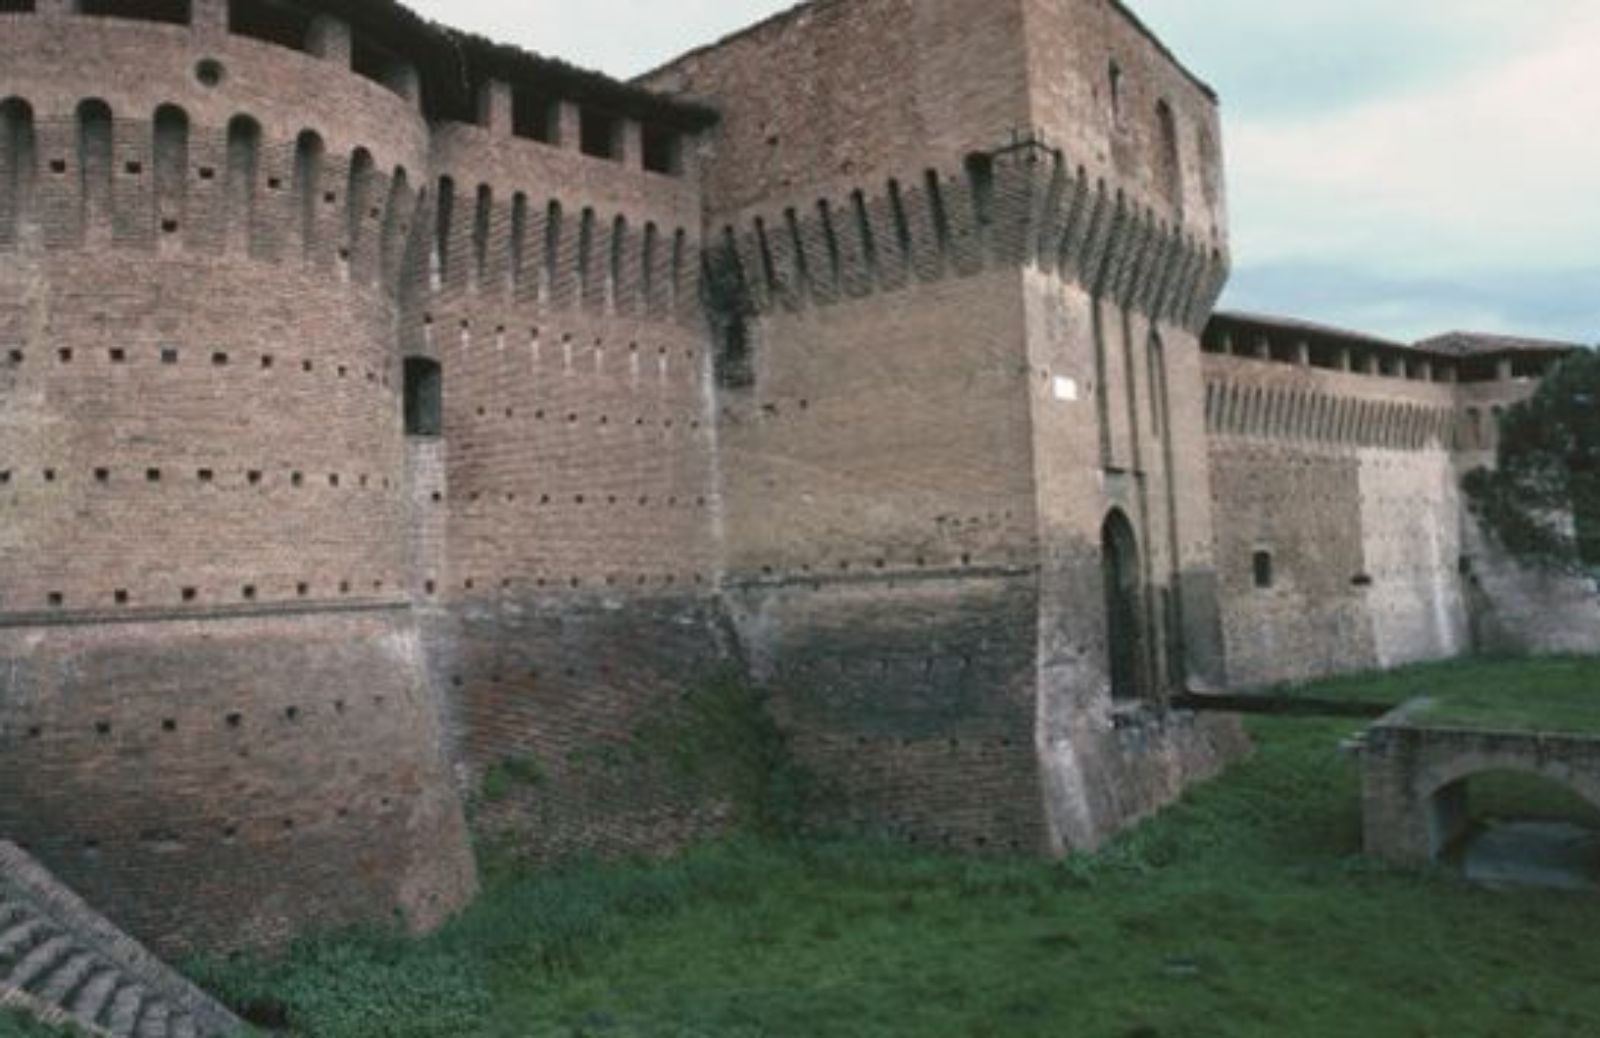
[
  {"x": 169, "y": 725},
  {"x": 5, "y": 477},
  {"x": 205, "y": 475},
  {"x": 297, "y": 479},
  {"x": 248, "y": 593},
  {"x": 344, "y": 587},
  {"x": 235, "y": 720},
  {"x": 305, "y": 365},
  {"x": 118, "y": 355},
  {"x": 58, "y": 166},
  {"x": 133, "y": 169},
  {"x": 14, "y": 356},
  {"x": 253, "y": 477},
  {"x": 190, "y": 594},
  {"x": 169, "y": 356},
  {"x": 206, "y": 173},
  {"x": 219, "y": 359},
  {"x": 302, "y": 589},
  {"x": 120, "y": 597},
  {"x": 152, "y": 475},
  {"x": 56, "y": 599},
  {"x": 49, "y": 475},
  {"x": 274, "y": 183},
  {"x": 65, "y": 354},
  {"x": 169, "y": 227},
  {"x": 102, "y": 475},
  {"x": 266, "y": 361},
  {"x": 333, "y": 479}
]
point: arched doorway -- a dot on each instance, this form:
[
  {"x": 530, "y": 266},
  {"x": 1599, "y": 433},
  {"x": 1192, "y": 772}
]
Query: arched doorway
[{"x": 1124, "y": 583}]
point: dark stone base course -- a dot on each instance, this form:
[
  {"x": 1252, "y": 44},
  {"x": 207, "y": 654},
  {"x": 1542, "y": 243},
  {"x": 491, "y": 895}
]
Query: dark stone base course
[
  {"x": 228, "y": 783},
  {"x": 564, "y": 686}
]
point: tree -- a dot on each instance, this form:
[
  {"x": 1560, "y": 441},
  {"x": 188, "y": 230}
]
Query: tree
[{"x": 1542, "y": 499}]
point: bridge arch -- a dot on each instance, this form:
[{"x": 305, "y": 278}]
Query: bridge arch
[{"x": 1444, "y": 794}]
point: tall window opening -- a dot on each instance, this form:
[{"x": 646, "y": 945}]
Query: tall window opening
[
  {"x": 424, "y": 397},
  {"x": 1116, "y": 87},
  {"x": 1261, "y": 567},
  {"x": 1125, "y": 609},
  {"x": 1169, "y": 167}
]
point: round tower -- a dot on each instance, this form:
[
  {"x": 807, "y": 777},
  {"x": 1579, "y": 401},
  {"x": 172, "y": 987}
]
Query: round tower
[{"x": 214, "y": 722}]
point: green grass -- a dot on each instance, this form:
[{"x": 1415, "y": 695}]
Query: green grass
[
  {"x": 1557, "y": 695},
  {"x": 1245, "y": 910}
]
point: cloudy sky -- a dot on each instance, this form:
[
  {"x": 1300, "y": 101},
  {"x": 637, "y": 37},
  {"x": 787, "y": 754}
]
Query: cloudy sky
[{"x": 1399, "y": 166}]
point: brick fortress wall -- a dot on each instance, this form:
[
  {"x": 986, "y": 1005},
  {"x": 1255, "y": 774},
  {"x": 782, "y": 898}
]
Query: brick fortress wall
[
  {"x": 570, "y": 591},
  {"x": 214, "y": 719},
  {"x": 1343, "y": 539}
]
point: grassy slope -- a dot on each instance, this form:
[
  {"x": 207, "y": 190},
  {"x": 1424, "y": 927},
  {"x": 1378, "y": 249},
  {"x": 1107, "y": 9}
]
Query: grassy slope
[
  {"x": 1243, "y": 911},
  {"x": 1553, "y": 695}
]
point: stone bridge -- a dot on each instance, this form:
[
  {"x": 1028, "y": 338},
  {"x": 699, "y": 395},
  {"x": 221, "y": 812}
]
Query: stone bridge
[{"x": 1415, "y": 774}]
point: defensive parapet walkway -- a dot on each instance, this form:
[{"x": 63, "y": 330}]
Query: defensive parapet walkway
[{"x": 63, "y": 963}]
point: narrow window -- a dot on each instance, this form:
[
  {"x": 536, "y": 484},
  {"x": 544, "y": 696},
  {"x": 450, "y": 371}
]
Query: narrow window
[
  {"x": 244, "y": 155},
  {"x": 1169, "y": 168},
  {"x": 482, "y": 222},
  {"x": 444, "y": 214},
  {"x": 358, "y": 196},
  {"x": 980, "y": 175},
  {"x": 424, "y": 397},
  {"x": 533, "y": 116},
  {"x": 662, "y": 151},
  {"x": 1262, "y": 566},
  {"x": 95, "y": 158},
  {"x": 308, "y": 156},
  {"x": 585, "y": 254},
  {"x": 552, "y": 247},
  {"x": 597, "y": 134},
  {"x": 519, "y": 238},
  {"x": 1114, "y": 78},
  {"x": 171, "y": 166},
  {"x": 17, "y": 152}
]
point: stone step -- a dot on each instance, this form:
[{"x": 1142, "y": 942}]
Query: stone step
[
  {"x": 95, "y": 995},
  {"x": 65, "y": 962},
  {"x": 13, "y": 912},
  {"x": 153, "y": 1021},
  {"x": 20, "y": 938},
  {"x": 125, "y": 1009},
  {"x": 39, "y": 961},
  {"x": 57, "y": 988}
]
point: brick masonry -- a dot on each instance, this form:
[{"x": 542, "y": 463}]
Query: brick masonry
[{"x": 860, "y": 384}]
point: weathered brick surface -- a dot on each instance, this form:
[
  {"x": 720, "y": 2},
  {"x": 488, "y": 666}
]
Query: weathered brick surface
[
  {"x": 213, "y": 717},
  {"x": 849, "y": 390}
]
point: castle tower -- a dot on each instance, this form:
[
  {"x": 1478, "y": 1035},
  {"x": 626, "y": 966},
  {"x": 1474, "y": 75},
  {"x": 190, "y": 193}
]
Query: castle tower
[
  {"x": 214, "y": 719},
  {"x": 962, "y": 252}
]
